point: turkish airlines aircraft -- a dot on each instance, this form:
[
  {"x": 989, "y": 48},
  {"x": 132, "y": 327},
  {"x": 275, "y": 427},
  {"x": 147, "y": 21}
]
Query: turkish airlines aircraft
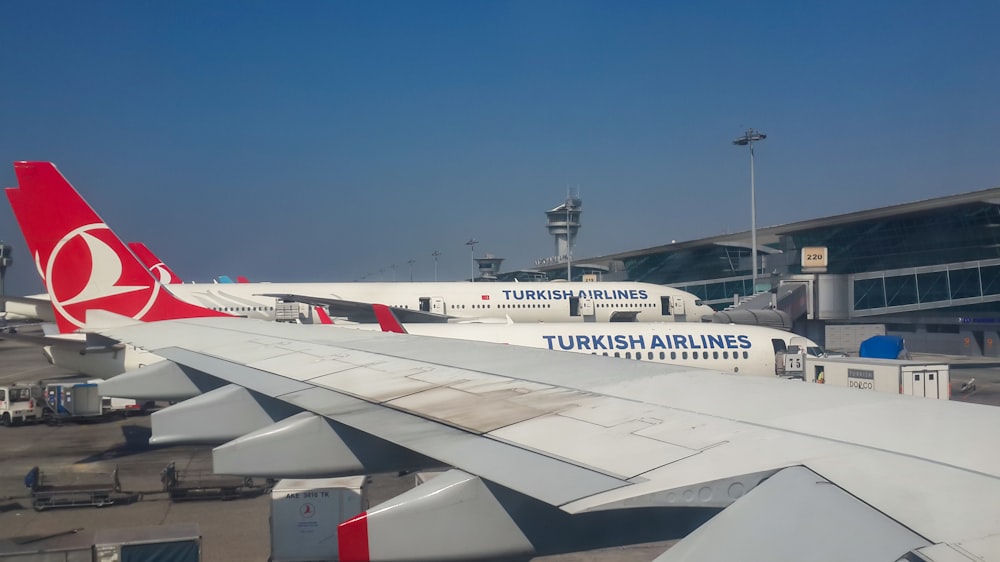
[
  {"x": 734, "y": 348},
  {"x": 84, "y": 263},
  {"x": 744, "y": 349}
]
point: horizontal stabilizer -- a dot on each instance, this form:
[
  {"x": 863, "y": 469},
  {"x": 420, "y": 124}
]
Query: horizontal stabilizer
[
  {"x": 27, "y": 308},
  {"x": 102, "y": 320},
  {"x": 216, "y": 417},
  {"x": 828, "y": 523}
]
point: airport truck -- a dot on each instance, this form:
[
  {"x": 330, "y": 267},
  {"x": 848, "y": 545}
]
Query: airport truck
[
  {"x": 20, "y": 403},
  {"x": 55, "y": 402},
  {"x": 915, "y": 378}
]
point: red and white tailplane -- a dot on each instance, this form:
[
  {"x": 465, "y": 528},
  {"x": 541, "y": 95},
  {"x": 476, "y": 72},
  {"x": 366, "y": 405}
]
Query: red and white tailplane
[
  {"x": 83, "y": 264},
  {"x": 154, "y": 264}
]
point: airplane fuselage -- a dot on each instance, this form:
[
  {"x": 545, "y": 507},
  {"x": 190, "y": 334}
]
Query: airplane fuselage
[
  {"x": 522, "y": 302},
  {"x": 734, "y": 348}
]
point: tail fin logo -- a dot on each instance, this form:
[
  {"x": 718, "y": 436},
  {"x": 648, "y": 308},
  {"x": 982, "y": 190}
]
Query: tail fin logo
[
  {"x": 162, "y": 273},
  {"x": 86, "y": 270}
]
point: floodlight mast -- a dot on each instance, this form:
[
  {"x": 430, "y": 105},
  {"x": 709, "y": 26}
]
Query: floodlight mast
[
  {"x": 748, "y": 138},
  {"x": 472, "y": 247}
]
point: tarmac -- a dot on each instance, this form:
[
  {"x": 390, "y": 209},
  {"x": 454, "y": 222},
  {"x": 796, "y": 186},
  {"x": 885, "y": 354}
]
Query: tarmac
[{"x": 236, "y": 529}]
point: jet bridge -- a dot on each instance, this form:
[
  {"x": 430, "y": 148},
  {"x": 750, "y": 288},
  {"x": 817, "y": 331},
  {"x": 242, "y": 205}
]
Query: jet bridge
[{"x": 779, "y": 309}]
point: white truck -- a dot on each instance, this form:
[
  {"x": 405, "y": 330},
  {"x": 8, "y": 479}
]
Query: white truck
[
  {"x": 915, "y": 378},
  {"x": 20, "y": 403}
]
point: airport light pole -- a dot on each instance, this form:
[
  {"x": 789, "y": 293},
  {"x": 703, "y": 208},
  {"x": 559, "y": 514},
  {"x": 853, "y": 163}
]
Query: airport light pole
[
  {"x": 472, "y": 246},
  {"x": 748, "y": 139},
  {"x": 411, "y": 261},
  {"x": 435, "y": 253}
]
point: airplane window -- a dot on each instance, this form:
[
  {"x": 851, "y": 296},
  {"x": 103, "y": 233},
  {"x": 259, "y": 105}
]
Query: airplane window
[
  {"x": 746, "y": 355},
  {"x": 684, "y": 355},
  {"x": 725, "y": 355},
  {"x": 628, "y": 355},
  {"x": 638, "y": 356},
  {"x": 663, "y": 355},
  {"x": 650, "y": 356},
  {"x": 673, "y": 355},
  {"x": 605, "y": 354},
  {"x": 715, "y": 355}
]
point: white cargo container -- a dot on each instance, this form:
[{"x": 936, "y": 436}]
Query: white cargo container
[
  {"x": 882, "y": 375},
  {"x": 305, "y": 515}
]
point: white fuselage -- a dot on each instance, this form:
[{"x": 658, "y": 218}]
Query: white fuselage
[
  {"x": 522, "y": 302},
  {"x": 735, "y": 348}
]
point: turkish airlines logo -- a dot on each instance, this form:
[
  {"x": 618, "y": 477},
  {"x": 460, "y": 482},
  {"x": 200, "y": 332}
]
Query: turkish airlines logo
[
  {"x": 162, "y": 273},
  {"x": 85, "y": 271}
]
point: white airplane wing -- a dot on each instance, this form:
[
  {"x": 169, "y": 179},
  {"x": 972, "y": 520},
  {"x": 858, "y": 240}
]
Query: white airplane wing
[
  {"x": 560, "y": 452},
  {"x": 357, "y": 311}
]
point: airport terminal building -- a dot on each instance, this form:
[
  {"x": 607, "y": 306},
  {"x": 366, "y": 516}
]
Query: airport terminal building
[{"x": 929, "y": 271}]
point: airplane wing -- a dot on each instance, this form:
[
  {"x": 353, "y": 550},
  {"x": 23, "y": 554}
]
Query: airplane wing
[
  {"x": 361, "y": 312},
  {"x": 561, "y": 452}
]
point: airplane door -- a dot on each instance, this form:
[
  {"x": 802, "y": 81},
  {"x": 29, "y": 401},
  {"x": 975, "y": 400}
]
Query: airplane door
[
  {"x": 425, "y": 304},
  {"x": 665, "y": 306},
  {"x": 574, "y": 306},
  {"x": 437, "y": 305},
  {"x": 677, "y": 307},
  {"x": 587, "y": 307}
]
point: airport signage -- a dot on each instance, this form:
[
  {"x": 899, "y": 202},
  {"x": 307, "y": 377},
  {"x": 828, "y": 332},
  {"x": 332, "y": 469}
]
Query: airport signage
[{"x": 814, "y": 258}]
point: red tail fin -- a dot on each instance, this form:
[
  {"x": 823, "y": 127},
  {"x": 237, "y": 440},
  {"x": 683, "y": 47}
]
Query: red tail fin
[
  {"x": 154, "y": 264},
  {"x": 83, "y": 264}
]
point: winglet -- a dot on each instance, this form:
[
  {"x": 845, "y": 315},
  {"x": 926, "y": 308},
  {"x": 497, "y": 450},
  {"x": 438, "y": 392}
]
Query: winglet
[
  {"x": 387, "y": 320},
  {"x": 324, "y": 318}
]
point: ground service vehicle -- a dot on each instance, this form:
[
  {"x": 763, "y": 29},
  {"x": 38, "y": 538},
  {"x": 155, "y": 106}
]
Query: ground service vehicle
[
  {"x": 895, "y": 376},
  {"x": 19, "y": 403},
  {"x": 46, "y": 494}
]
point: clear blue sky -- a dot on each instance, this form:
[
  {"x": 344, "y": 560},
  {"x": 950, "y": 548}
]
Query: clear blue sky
[{"x": 301, "y": 141}]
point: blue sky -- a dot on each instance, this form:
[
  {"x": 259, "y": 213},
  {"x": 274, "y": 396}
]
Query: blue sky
[{"x": 308, "y": 141}]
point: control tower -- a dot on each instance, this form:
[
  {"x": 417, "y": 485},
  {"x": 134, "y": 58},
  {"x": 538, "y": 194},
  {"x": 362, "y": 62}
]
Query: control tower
[
  {"x": 489, "y": 266},
  {"x": 5, "y": 261},
  {"x": 564, "y": 223}
]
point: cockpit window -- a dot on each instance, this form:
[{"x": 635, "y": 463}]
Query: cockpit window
[{"x": 815, "y": 351}]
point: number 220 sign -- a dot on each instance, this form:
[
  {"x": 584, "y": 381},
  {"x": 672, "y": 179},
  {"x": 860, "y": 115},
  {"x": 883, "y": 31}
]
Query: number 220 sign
[{"x": 814, "y": 256}]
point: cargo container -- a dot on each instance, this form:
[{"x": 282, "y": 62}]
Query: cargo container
[
  {"x": 305, "y": 515},
  {"x": 915, "y": 378}
]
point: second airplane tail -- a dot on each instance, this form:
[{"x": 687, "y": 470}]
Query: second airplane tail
[{"x": 83, "y": 264}]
